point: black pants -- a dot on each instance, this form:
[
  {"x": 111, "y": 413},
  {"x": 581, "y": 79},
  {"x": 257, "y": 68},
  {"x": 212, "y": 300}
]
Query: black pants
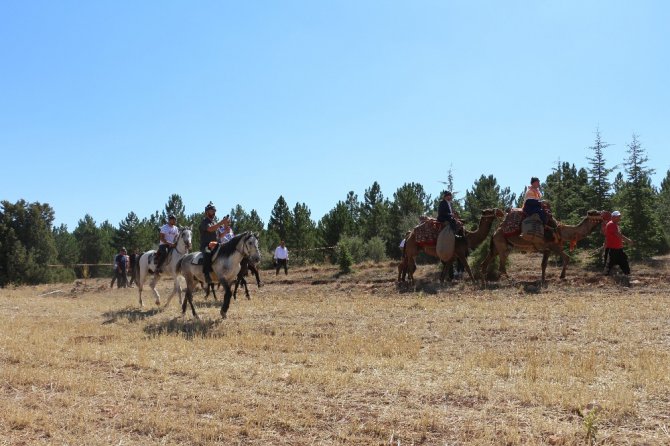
[
  {"x": 121, "y": 278},
  {"x": 206, "y": 261},
  {"x": 280, "y": 263},
  {"x": 162, "y": 254},
  {"x": 618, "y": 257}
]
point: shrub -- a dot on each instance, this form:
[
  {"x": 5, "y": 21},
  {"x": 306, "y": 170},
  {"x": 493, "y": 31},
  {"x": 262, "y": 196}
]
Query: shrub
[
  {"x": 374, "y": 249},
  {"x": 345, "y": 258}
]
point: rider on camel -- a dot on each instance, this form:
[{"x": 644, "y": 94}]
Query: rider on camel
[
  {"x": 533, "y": 201},
  {"x": 445, "y": 213}
]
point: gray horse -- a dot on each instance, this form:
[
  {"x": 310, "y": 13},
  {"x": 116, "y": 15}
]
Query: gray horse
[
  {"x": 146, "y": 266},
  {"x": 226, "y": 261}
]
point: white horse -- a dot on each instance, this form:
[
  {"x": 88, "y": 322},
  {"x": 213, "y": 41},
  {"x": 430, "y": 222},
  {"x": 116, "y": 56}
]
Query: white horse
[
  {"x": 226, "y": 261},
  {"x": 147, "y": 265}
]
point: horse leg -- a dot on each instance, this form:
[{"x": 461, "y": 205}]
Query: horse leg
[
  {"x": 226, "y": 299},
  {"x": 444, "y": 274},
  {"x": 237, "y": 284},
  {"x": 246, "y": 289},
  {"x": 175, "y": 289}
]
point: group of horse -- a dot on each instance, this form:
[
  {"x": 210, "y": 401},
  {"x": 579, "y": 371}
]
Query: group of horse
[
  {"x": 501, "y": 243},
  {"x": 229, "y": 264}
]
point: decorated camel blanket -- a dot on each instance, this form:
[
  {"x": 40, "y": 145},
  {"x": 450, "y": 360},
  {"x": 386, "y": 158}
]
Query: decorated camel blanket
[
  {"x": 427, "y": 231},
  {"x": 511, "y": 226}
]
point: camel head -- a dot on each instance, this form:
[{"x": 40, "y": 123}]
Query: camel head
[{"x": 493, "y": 213}]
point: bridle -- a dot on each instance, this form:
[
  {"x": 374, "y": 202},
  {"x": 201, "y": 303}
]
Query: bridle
[
  {"x": 243, "y": 249},
  {"x": 179, "y": 237}
]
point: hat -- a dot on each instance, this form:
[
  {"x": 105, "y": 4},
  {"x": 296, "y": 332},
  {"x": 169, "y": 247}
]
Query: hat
[
  {"x": 123, "y": 249},
  {"x": 171, "y": 217},
  {"x": 210, "y": 206},
  {"x": 616, "y": 214}
]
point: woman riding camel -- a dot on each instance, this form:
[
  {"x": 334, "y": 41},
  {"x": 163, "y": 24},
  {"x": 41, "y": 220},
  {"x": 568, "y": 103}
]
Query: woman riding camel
[{"x": 533, "y": 202}]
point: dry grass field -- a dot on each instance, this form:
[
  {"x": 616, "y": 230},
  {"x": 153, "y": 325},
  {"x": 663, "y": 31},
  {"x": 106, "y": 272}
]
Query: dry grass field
[{"x": 314, "y": 358}]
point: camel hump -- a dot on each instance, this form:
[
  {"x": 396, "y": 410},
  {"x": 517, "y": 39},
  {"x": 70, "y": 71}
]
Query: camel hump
[{"x": 446, "y": 243}]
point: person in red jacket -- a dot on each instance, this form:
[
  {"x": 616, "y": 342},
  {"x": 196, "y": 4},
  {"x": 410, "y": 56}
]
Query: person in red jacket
[{"x": 614, "y": 241}]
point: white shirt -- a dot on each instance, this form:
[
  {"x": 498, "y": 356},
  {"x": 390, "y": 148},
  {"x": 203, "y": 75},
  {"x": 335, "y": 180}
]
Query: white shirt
[
  {"x": 281, "y": 253},
  {"x": 224, "y": 234},
  {"x": 171, "y": 232}
]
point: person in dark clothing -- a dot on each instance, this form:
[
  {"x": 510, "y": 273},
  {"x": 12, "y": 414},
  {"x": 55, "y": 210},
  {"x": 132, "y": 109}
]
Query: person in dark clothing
[
  {"x": 133, "y": 259},
  {"x": 121, "y": 261},
  {"x": 445, "y": 212},
  {"x": 208, "y": 227}
]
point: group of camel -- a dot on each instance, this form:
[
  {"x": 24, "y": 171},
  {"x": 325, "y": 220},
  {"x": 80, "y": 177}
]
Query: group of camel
[{"x": 500, "y": 245}]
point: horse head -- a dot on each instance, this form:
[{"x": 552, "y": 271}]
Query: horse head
[
  {"x": 249, "y": 247},
  {"x": 186, "y": 236}
]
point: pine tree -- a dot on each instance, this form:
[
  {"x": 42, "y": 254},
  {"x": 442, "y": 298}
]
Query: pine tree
[
  {"x": 174, "y": 206},
  {"x": 664, "y": 205},
  {"x": 410, "y": 202},
  {"x": 638, "y": 199},
  {"x": 26, "y": 242},
  {"x": 280, "y": 219},
  {"x": 374, "y": 213},
  {"x": 486, "y": 194},
  {"x": 599, "y": 175},
  {"x": 338, "y": 222},
  {"x": 301, "y": 234},
  {"x": 128, "y": 233}
]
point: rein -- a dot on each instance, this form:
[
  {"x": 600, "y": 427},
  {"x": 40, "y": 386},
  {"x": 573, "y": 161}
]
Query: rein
[{"x": 177, "y": 243}]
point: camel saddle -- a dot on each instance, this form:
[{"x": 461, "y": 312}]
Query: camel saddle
[
  {"x": 511, "y": 226},
  {"x": 427, "y": 231}
]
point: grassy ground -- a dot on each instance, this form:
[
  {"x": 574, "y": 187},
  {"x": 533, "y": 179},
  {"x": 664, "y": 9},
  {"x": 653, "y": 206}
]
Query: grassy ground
[{"x": 314, "y": 358}]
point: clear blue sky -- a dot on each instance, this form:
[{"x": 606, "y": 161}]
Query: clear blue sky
[{"x": 108, "y": 107}]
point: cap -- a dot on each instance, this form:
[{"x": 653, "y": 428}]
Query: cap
[
  {"x": 210, "y": 206},
  {"x": 616, "y": 214},
  {"x": 171, "y": 217}
]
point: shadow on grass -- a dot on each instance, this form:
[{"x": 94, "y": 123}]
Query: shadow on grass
[
  {"x": 129, "y": 314},
  {"x": 189, "y": 329}
]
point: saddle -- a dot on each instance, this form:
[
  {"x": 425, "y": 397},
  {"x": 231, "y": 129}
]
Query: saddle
[{"x": 427, "y": 231}]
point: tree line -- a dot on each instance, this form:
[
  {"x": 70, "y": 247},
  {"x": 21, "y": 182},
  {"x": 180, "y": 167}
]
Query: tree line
[{"x": 370, "y": 228}]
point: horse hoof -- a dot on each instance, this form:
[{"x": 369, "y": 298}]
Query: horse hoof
[{"x": 223, "y": 315}]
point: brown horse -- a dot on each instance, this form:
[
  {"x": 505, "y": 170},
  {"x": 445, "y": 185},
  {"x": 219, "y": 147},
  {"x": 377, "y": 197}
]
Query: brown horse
[
  {"x": 470, "y": 241},
  {"x": 501, "y": 244}
]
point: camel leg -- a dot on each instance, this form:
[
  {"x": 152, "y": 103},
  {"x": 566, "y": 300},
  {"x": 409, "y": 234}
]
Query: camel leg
[
  {"x": 545, "y": 260},
  {"x": 485, "y": 264},
  {"x": 411, "y": 269},
  {"x": 466, "y": 265}
]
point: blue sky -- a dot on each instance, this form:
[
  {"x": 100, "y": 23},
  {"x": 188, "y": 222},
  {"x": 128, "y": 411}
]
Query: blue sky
[{"x": 111, "y": 107}]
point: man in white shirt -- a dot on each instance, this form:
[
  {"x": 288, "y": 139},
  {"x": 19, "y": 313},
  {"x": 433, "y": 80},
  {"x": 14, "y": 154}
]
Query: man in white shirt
[
  {"x": 168, "y": 237},
  {"x": 281, "y": 258}
]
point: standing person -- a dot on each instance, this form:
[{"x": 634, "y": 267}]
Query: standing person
[
  {"x": 121, "y": 262},
  {"x": 132, "y": 264},
  {"x": 281, "y": 258},
  {"x": 114, "y": 276},
  {"x": 614, "y": 241},
  {"x": 208, "y": 227},
  {"x": 167, "y": 238}
]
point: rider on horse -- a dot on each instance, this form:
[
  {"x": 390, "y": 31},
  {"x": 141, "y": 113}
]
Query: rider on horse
[
  {"x": 168, "y": 239},
  {"x": 208, "y": 228}
]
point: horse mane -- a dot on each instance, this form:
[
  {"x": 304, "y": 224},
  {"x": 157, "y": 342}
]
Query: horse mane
[{"x": 230, "y": 247}]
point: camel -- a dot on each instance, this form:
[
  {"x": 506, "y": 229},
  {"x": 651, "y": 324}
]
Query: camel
[
  {"x": 501, "y": 244},
  {"x": 470, "y": 241}
]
